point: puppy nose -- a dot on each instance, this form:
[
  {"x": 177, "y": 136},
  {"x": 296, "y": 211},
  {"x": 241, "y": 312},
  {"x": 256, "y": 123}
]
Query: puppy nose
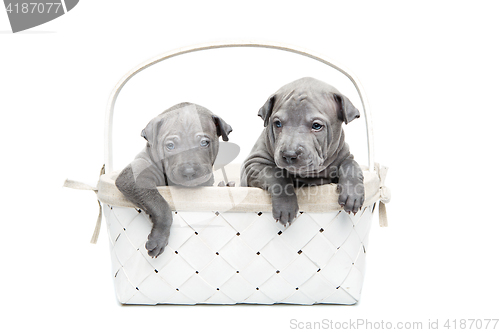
[
  {"x": 188, "y": 172},
  {"x": 290, "y": 156}
]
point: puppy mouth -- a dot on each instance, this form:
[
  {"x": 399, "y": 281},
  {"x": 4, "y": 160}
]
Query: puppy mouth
[
  {"x": 307, "y": 165},
  {"x": 177, "y": 177},
  {"x": 196, "y": 181},
  {"x": 300, "y": 169}
]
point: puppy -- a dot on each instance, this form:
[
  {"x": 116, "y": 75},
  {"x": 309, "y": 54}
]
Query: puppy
[
  {"x": 182, "y": 144},
  {"x": 302, "y": 144}
]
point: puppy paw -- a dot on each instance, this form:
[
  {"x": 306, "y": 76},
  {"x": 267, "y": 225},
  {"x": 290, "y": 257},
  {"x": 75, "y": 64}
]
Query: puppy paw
[
  {"x": 351, "y": 196},
  {"x": 285, "y": 208},
  {"x": 157, "y": 241}
]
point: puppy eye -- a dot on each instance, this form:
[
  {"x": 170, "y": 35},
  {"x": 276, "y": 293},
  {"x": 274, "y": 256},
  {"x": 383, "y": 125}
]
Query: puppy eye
[
  {"x": 277, "y": 123},
  {"x": 317, "y": 126},
  {"x": 205, "y": 143},
  {"x": 170, "y": 146}
]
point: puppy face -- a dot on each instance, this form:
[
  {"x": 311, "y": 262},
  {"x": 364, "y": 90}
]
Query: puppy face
[
  {"x": 185, "y": 142},
  {"x": 302, "y": 132},
  {"x": 304, "y": 120},
  {"x": 190, "y": 145}
]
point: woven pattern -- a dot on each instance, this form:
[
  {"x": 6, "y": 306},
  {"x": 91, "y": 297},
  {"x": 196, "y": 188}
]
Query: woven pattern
[{"x": 233, "y": 257}]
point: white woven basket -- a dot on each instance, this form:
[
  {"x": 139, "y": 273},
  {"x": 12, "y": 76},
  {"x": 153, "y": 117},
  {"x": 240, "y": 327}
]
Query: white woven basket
[{"x": 225, "y": 247}]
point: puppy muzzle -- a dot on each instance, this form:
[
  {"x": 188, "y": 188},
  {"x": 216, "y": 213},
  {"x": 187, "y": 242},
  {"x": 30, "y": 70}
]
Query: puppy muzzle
[
  {"x": 298, "y": 161},
  {"x": 189, "y": 174}
]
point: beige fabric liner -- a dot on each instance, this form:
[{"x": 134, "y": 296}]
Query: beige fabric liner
[{"x": 239, "y": 199}]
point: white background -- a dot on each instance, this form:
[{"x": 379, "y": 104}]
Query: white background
[{"x": 431, "y": 73}]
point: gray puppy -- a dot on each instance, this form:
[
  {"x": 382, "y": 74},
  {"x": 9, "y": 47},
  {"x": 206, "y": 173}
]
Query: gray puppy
[
  {"x": 302, "y": 145},
  {"x": 182, "y": 144}
]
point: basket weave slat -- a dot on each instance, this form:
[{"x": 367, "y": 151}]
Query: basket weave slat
[{"x": 318, "y": 259}]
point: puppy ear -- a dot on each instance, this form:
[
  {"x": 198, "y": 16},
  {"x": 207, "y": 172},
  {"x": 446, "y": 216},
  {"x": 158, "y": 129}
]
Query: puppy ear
[
  {"x": 347, "y": 111},
  {"x": 223, "y": 128},
  {"x": 151, "y": 129},
  {"x": 266, "y": 110}
]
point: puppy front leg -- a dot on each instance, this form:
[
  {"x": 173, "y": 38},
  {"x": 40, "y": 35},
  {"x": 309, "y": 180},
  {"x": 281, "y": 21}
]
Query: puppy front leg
[
  {"x": 141, "y": 191},
  {"x": 351, "y": 187},
  {"x": 280, "y": 187}
]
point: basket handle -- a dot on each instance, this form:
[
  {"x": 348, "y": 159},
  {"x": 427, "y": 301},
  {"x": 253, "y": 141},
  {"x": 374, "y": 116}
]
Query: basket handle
[{"x": 108, "y": 124}]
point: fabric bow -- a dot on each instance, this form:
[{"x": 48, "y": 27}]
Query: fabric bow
[
  {"x": 82, "y": 186},
  {"x": 385, "y": 194}
]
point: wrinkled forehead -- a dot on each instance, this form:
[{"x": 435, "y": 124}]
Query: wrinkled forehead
[
  {"x": 187, "y": 121},
  {"x": 300, "y": 104}
]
